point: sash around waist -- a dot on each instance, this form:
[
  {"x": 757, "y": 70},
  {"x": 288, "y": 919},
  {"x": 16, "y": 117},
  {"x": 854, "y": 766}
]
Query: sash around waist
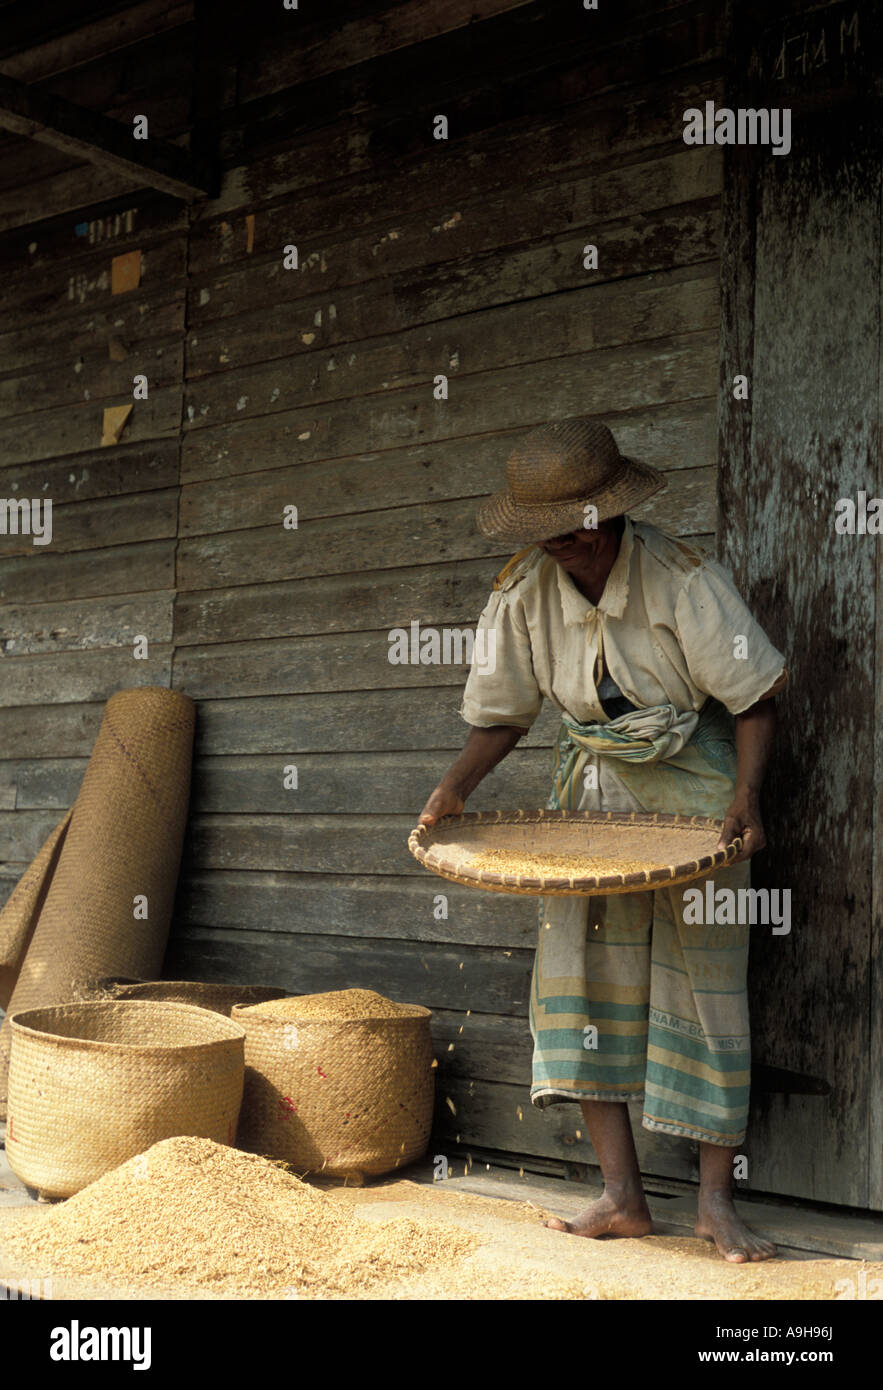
[{"x": 639, "y": 735}]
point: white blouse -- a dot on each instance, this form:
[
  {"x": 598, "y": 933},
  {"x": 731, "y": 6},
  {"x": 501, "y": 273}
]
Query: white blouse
[{"x": 671, "y": 624}]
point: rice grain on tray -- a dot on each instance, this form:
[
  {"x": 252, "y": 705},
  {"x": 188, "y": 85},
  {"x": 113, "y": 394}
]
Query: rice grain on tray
[{"x": 511, "y": 861}]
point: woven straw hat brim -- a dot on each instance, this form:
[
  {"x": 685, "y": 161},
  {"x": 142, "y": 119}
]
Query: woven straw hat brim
[{"x": 502, "y": 518}]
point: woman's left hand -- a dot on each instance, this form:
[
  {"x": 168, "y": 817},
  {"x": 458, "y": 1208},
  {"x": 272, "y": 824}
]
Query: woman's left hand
[{"x": 742, "y": 818}]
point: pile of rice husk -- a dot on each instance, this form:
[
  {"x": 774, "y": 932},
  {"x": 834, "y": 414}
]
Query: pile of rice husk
[
  {"x": 338, "y": 1005},
  {"x": 193, "y": 1214}
]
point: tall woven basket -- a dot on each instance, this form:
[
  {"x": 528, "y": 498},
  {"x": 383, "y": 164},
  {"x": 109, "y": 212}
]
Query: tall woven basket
[
  {"x": 348, "y": 1097},
  {"x": 93, "y": 1084}
]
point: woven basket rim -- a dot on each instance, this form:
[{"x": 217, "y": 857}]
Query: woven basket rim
[
  {"x": 420, "y": 1012},
  {"x": 590, "y": 884},
  {"x": 122, "y": 982},
  {"x": 235, "y": 1032}
]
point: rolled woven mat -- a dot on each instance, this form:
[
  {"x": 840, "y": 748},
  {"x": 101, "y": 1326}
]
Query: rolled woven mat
[{"x": 71, "y": 918}]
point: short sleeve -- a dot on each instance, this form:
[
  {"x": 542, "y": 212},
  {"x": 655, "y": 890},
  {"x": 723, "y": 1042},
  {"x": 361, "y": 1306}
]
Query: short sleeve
[
  {"x": 727, "y": 652},
  {"x": 501, "y": 687}
]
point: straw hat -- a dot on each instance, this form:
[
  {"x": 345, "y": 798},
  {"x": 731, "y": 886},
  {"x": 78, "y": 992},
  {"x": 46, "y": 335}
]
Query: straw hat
[{"x": 554, "y": 472}]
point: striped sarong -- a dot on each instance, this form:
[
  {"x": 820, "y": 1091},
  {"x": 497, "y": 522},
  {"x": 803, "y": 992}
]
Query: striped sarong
[{"x": 629, "y": 1002}]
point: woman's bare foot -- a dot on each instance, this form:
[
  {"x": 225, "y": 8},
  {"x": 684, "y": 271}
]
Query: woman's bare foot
[
  {"x": 718, "y": 1221},
  {"x": 622, "y": 1215}
]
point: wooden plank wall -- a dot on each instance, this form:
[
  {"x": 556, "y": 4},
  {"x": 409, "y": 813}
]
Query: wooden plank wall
[{"x": 314, "y": 388}]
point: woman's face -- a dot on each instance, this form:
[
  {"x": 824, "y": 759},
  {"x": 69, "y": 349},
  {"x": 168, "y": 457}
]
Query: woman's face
[{"x": 575, "y": 548}]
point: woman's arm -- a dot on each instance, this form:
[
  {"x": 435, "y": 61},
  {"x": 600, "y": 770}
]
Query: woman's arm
[
  {"x": 755, "y": 731},
  {"x": 483, "y": 749}
]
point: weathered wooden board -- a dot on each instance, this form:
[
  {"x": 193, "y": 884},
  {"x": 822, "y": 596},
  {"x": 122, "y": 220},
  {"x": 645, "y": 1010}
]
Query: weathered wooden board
[
  {"x": 92, "y": 376},
  {"x": 324, "y": 492},
  {"x": 370, "y": 783},
  {"x": 444, "y": 530},
  {"x": 386, "y": 907},
  {"x": 432, "y": 594},
  {"x": 276, "y": 61},
  {"x": 23, "y": 832},
  {"x": 135, "y": 517},
  {"x": 50, "y": 730},
  {"x": 124, "y": 224},
  {"x": 56, "y": 677},
  {"x": 628, "y": 245},
  {"x": 334, "y": 262},
  {"x": 19, "y": 155},
  {"x": 421, "y": 972},
  {"x": 673, "y": 302},
  {"x": 302, "y": 843},
  {"x": 155, "y": 83},
  {"x": 624, "y": 379},
  {"x": 453, "y": 593},
  {"x": 77, "y": 429},
  {"x": 679, "y": 434},
  {"x": 608, "y": 126},
  {"x": 482, "y": 1047},
  {"x": 103, "y": 473},
  {"x": 381, "y": 720},
  {"x": 431, "y": 192},
  {"x": 324, "y": 364},
  {"x": 354, "y": 721},
  {"x": 81, "y": 345},
  {"x": 59, "y": 287},
  {"x": 347, "y": 720},
  {"x": 554, "y": 57},
  {"x": 111, "y": 570},
  {"x": 806, "y": 329},
  {"x": 38, "y": 628},
  {"x": 9, "y": 873},
  {"x": 156, "y": 68}
]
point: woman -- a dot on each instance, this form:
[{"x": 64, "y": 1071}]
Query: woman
[{"x": 665, "y": 684}]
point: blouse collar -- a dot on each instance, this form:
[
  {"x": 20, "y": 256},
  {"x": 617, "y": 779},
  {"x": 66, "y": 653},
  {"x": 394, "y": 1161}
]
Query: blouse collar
[{"x": 577, "y": 608}]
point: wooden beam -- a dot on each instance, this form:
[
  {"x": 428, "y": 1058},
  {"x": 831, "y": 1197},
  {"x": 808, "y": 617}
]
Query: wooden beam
[
  {"x": 38, "y": 115},
  {"x": 24, "y": 26}
]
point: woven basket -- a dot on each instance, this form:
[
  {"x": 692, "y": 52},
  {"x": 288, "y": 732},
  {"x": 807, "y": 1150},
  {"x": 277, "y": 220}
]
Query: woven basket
[
  {"x": 349, "y": 1097},
  {"x": 670, "y": 848},
  {"x": 71, "y": 918},
  {"x": 220, "y": 998},
  {"x": 94, "y": 1084}
]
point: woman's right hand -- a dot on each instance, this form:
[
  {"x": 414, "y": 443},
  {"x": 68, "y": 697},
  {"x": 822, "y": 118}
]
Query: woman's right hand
[{"x": 443, "y": 802}]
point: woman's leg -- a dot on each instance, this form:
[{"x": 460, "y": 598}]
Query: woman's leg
[
  {"x": 622, "y": 1209},
  {"x": 717, "y": 1219}
]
